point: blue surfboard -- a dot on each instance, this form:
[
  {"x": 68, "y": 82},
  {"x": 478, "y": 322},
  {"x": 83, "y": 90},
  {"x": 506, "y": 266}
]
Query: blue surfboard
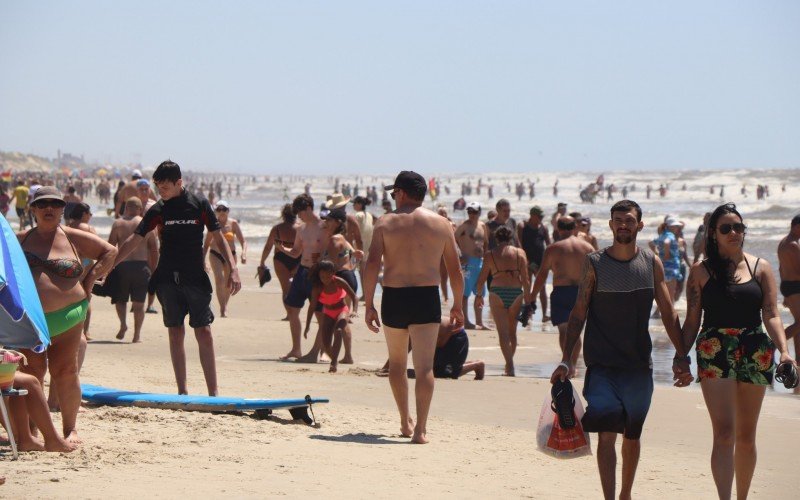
[{"x": 115, "y": 397}]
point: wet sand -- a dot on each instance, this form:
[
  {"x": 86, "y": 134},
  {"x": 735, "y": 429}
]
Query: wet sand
[{"x": 483, "y": 439}]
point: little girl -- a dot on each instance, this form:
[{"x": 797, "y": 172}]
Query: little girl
[{"x": 330, "y": 291}]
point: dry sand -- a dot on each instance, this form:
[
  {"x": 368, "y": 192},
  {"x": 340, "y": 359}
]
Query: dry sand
[{"x": 483, "y": 440}]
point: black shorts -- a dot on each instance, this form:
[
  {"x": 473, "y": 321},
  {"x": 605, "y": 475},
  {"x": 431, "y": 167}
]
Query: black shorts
[
  {"x": 350, "y": 277},
  {"x": 789, "y": 288},
  {"x": 132, "y": 278},
  {"x": 411, "y": 305},
  {"x": 20, "y": 212},
  {"x": 617, "y": 400},
  {"x": 450, "y": 358},
  {"x": 178, "y": 300},
  {"x": 287, "y": 260},
  {"x": 300, "y": 290}
]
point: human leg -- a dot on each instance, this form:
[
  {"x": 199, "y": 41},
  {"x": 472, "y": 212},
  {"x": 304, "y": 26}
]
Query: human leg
[
  {"x": 205, "y": 344},
  {"x": 34, "y": 406},
  {"x": 295, "y": 327},
  {"x": 607, "y": 462},
  {"x": 282, "y": 272},
  {"x": 748, "y": 407},
  {"x": 500, "y": 315},
  {"x": 338, "y": 332},
  {"x": 220, "y": 284},
  {"x": 631, "y": 449},
  {"x": 478, "y": 367},
  {"x": 720, "y": 397},
  {"x": 397, "y": 345},
  {"x": 62, "y": 357},
  {"x": 122, "y": 314},
  {"x": 423, "y": 340},
  {"x": 513, "y": 313},
  {"x": 178, "y": 355},
  {"x": 312, "y": 356},
  {"x": 138, "y": 320}
]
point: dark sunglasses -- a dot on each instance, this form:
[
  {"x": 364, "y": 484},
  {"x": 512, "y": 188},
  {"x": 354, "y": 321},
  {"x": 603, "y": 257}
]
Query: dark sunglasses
[
  {"x": 49, "y": 204},
  {"x": 727, "y": 228}
]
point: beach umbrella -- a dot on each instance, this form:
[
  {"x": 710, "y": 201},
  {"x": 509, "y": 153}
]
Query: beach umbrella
[{"x": 22, "y": 322}]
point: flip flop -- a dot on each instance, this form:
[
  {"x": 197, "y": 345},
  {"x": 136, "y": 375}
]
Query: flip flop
[
  {"x": 786, "y": 374},
  {"x": 563, "y": 403}
]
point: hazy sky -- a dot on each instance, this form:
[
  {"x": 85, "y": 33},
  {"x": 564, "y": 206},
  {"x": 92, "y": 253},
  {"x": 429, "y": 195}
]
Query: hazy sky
[{"x": 449, "y": 86}]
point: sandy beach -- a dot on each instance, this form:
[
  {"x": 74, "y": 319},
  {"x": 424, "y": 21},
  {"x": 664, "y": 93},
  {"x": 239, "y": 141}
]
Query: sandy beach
[{"x": 483, "y": 439}]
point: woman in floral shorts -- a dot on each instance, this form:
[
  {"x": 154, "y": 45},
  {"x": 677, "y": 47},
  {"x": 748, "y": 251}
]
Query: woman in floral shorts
[{"x": 733, "y": 292}]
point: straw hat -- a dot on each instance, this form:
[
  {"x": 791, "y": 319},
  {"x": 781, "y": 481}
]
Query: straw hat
[{"x": 337, "y": 200}]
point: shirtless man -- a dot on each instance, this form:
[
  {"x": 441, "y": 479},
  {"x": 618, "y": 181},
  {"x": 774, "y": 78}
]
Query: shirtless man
[
  {"x": 125, "y": 192},
  {"x": 309, "y": 241},
  {"x": 534, "y": 238},
  {"x": 585, "y": 232},
  {"x": 472, "y": 239},
  {"x": 412, "y": 242},
  {"x": 789, "y": 259},
  {"x": 565, "y": 258},
  {"x": 145, "y": 193},
  {"x": 132, "y": 275},
  {"x": 561, "y": 211}
]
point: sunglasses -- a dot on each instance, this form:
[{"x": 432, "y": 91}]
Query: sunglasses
[
  {"x": 727, "y": 228},
  {"x": 49, "y": 204},
  {"x": 221, "y": 209}
]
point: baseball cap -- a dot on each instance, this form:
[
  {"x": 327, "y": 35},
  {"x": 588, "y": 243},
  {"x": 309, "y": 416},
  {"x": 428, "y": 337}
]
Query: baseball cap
[
  {"x": 142, "y": 182},
  {"x": 136, "y": 174},
  {"x": 222, "y": 204},
  {"x": 474, "y": 205},
  {"x": 672, "y": 221},
  {"x": 537, "y": 210},
  {"x": 47, "y": 193},
  {"x": 408, "y": 181},
  {"x": 562, "y": 204},
  {"x": 336, "y": 214}
]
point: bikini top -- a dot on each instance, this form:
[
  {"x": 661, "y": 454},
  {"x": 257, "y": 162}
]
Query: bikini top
[
  {"x": 344, "y": 253},
  {"x": 63, "y": 266},
  {"x": 228, "y": 236},
  {"x": 334, "y": 298},
  {"x": 287, "y": 244},
  {"x": 509, "y": 271}
]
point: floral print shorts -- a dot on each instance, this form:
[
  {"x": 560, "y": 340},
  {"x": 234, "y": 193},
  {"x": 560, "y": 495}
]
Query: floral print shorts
[{"x": 744, "y": 354}]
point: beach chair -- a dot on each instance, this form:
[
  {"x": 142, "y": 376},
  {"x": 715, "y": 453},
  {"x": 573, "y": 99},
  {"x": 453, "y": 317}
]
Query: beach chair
[{"x": 10, "y": 392}]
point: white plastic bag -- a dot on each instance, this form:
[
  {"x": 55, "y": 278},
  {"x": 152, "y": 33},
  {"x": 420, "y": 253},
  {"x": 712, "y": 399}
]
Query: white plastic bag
[{"x": 558, "y": 442}]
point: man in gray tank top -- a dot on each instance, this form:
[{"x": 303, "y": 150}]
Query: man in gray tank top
[{"x": 615, "y": 296}]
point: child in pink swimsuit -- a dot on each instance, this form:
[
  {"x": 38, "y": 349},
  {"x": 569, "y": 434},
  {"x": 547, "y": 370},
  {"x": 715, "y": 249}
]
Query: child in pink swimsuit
[{"x": 330, "y": 291}]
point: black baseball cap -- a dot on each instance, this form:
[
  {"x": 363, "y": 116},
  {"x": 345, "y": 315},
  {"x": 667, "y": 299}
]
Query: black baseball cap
[
  {"x": 336, "y": 214},
  {"x": 408, "y": 181}
]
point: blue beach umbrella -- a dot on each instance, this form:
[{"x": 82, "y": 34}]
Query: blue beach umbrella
[{"x": 22, "y": 322}]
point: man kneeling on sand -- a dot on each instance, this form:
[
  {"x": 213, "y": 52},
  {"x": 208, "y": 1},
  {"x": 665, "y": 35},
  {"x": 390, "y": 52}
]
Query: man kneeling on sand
[{"x": 450, "y": 357}]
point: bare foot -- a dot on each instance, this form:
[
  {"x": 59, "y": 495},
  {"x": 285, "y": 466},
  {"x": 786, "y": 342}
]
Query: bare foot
[
  {"x": 509, "y": 371},
  {"x": 479, "y": 373},
  {"x": 419, "y": 437},
  {"x": 482, "y": 327},
  {"x": 469, "y": 326},
  {"x": 545, "y": 319},
  {"x": 60, "y": 446},
  {"x": 121, "y": 333},
  {"x": 407, "y": 430},
  {"x": 291, "y": 356},
  {"x": 311, "y": 357},
  {"x": 30, "y": 444},
  {"x": 347, "y": 360},
  {"x": 223, "y": 313},
  {"x": 136, "y": 339},
  {"x": 332, "y": 369},
  {"x": 285, "y": 319},
  {"x": 73, "y": 438}
]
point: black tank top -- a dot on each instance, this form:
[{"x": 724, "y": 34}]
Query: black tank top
[
  {"x": 736, "y": 305},
  {"x": 533, "y": 242}
]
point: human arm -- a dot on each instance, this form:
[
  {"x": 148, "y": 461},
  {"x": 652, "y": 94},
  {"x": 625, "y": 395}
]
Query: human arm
[
  {"x": 694, "y": 304},
  {"x": 681, "y": 371},
  {"x": 354, "y": 231},
  {"x": 522, "y": 269},
  {"x": 234, "y": 283},
  {"x": 349, "y": 291},
  {"x": 543, "y": 272},
  {"x": 769, "y": 311},
  {"x": 152, "y": 251},
  {"x": 206, "y": 248},
  {"x": 482, "y": 278},
  {"x": 312, "y": 306},
  {"x": 577, "y": 319},
  {"x": 237, "y": 230},
  {"x": 370, "y": 278},
  {"x": 297, "y": 247},
  {"x": 92, "y": 246},
  {"x": 268, "y": 246},
  {"x": 453, "y": 266}
]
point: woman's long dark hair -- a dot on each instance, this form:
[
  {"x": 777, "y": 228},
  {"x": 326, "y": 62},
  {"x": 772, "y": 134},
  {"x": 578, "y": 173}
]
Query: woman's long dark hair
[
  {"x": 721, "y": 268},
  {"x": 287, "y": 214}
]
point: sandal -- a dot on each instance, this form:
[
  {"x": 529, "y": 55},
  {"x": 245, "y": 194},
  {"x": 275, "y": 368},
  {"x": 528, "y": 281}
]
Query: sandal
[
  {"x": 786, "y": 374},
  {"x": 563, "y": 403}
]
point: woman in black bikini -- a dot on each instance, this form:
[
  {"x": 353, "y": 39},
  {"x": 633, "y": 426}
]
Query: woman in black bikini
[
  {"x": 54, "y": 255},
  {"x": 231, "y": 232},
  {"x": 283, "y": 233},
  {"x": 510, "y": 288},
  {"x": 734, "y": 293}
]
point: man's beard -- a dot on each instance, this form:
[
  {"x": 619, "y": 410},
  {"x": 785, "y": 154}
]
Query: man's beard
[{"x": 625, "y": 239}]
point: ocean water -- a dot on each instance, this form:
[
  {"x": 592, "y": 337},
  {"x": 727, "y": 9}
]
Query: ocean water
[{"x": 688, "y": 198}]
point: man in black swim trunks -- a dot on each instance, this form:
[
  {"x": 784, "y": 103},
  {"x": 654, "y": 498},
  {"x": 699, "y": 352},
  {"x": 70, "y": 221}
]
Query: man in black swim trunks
[
  {"x": 412, "y": 242},
  {"x": 180, "y": 280},
  {"x": 533, "y": 237},
  {"x": 616, "y": 293},
  {"x": 789, "y": 259}
]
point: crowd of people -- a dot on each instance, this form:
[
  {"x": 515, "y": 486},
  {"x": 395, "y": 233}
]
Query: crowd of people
[{"x": 165, "y": 242}]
